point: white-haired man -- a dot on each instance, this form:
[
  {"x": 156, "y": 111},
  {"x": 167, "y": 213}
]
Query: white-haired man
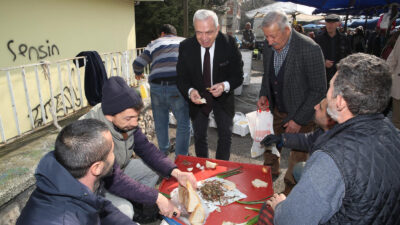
[
  {"x": 293, "y": 83},
  {"x": 210, "y": 67}
]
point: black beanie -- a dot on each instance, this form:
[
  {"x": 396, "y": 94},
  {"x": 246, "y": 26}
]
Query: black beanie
[{"x": 118, "y": 96}]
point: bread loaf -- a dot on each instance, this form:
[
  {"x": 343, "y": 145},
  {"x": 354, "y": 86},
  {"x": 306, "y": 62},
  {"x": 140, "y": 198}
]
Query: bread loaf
[
  {"x": 259, "y": 183},
  {"x": 210, "y": 165},
  {"x": 190, "y": 199},
  {"x": 198, "y": 215}
]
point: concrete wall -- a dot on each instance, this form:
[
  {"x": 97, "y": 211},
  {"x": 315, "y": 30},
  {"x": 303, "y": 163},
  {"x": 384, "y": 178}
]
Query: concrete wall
[
  {"x": 32, "y": 31},
  {"x": 48, "y": 30}
]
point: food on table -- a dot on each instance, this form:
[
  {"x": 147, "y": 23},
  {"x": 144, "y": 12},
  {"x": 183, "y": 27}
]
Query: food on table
[
  {"x": 198, "y": 215},
  {"x": 186, "y": 163},
  {"x": 210, "y": 165},
  {"x": 229, "y": 185},
  {"x": 259, "y": 183},
  {"x": 229, "y": 173},
  {"x": 212, "y": 190},
  {"x": 188, "y": 197},
  {"x": 265, "y": 169}
]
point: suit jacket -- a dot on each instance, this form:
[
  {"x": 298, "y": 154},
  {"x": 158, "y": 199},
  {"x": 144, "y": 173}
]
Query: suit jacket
[
  {"x": 304, "y": 82},
  {"x": 227, "y": 66}
]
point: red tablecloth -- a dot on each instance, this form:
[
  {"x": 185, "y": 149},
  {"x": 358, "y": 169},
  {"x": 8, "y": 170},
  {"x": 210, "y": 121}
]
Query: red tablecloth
[{"x": 234, "y": 212}]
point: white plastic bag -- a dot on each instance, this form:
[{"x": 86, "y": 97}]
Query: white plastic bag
[
  {"x": 261, "y": 125},
  {"x": 240, "y": 124},
  {"x": 385, "y": 23}
]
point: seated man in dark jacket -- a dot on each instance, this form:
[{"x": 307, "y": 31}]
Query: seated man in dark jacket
[
  {"x": 352, "y": 175},
  {"x": 68, "y": 178}
]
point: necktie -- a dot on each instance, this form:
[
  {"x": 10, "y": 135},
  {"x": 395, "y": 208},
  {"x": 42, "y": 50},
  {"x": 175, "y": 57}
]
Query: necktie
[{"x": 206, "y": 108}]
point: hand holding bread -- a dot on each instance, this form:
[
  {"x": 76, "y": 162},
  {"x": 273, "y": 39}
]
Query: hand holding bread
[{"x": 183, "y": 177}]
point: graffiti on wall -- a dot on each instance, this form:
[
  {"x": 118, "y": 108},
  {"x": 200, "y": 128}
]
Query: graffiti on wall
[
  {"x": 32, "y": 52},
  {"x": 36, "y": 111}
]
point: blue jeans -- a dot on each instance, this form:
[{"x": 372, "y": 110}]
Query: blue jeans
[
  {"x": 298, "y": 170},
  {"x": 163, "y": 99}
]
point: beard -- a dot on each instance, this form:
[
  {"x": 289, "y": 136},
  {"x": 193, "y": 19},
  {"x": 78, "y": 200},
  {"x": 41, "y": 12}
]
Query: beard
[
  {"x": 332, "y": 113},
  {"x": 107, "y": 171},
  {"x": 123, "y": 129}
]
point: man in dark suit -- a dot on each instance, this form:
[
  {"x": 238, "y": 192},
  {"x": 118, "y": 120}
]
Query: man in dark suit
[
  {"x": 294, "y": 82},
  {"x": 209, "y": 69}
]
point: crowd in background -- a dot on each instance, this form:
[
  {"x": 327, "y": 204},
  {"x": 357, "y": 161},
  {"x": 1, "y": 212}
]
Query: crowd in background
[{"x": 377, "y": 42}]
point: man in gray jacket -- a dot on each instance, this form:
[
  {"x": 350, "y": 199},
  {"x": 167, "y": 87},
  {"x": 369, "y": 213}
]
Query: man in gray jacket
[{"x": 119, "y": 110}]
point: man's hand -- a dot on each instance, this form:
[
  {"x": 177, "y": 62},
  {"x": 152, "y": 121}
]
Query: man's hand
[
  {"x": 217, "y": 89},
  {"x": 182, "y": 177},
  {"x": 274, "y": 200},
  {"x": 167, "y": 208},
  {"x": 292, "y": 127},
  {"x": 328, "y": 63},
  {"x": 262, "y": 103},
  {"x": 195, "y": 97},
  {"x": 139, "y": 77},
  {"x": 272, "y": 139}
]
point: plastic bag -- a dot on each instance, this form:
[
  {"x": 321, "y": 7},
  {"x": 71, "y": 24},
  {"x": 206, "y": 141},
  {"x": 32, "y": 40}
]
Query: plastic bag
[
  {"x": 240, "y": 124},
  {"x": 261, "y": 125},
  {"x": 144, "y": 89}
]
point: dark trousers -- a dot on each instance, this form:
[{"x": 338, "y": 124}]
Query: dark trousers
[{"x": 224, "y": 128}]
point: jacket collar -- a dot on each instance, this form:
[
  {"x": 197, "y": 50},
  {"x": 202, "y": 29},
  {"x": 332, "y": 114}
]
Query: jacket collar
[
  {"x": 338, "y": 128},
  {"x": 54, "y": 180}
]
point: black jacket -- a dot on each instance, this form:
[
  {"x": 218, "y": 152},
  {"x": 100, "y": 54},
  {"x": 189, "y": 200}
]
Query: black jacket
[
  {"x": 302, "y": 141},
  {"x": 60, "y": 199},
  {"x": 366, "y": 150},
  {"x": 340, "y": 49},
  {"x": 95, "y": 76},
  {"x": 227, "y": 66}
]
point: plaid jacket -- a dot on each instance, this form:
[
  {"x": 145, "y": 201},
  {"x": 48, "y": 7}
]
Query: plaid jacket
[
  {"x": 304, "y": 82},
  {"x": 266, "y": 215}
]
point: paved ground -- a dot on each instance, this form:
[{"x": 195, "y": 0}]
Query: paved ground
[
  {"x": 240, "y": 151},
  {"x": 18, "y": 160}
]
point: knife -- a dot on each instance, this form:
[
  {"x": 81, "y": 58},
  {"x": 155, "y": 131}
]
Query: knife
[{"x": 171, "y": 221}]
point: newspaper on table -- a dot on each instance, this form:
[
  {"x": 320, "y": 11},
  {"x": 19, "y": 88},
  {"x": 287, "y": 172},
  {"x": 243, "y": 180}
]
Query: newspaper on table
[{"x": 230, "y": 196}]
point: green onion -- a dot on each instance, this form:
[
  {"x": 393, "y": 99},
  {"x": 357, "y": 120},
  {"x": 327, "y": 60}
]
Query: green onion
[
  {"x": 250, "y": 202},
  {"x": 166, "y": 195},
  {"x": 246, "y": 217},
  {"x": 254, "y": 209},
  {"x": 252, "y": 220},
  {"x": 229, "y": 173},
  {"x": 254, "y": 202}
]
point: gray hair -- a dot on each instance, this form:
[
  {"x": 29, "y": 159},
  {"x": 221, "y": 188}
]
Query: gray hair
[
  {"x": 277, "y": 17},
  {"x": 203, "y": 14},
  {"x": 364, "y": 81}
]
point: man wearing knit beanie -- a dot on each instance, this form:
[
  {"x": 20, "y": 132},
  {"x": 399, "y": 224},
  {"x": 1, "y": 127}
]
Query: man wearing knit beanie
[{"x": 132, "y": 181}]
